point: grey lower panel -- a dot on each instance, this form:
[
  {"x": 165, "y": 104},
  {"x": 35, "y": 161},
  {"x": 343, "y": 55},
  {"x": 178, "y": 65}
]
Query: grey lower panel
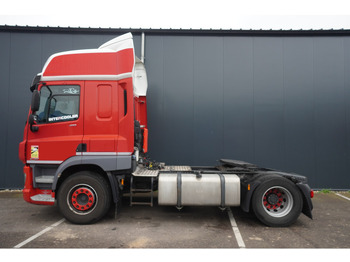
[
  {"x": 107, "y": 163},
  {"x": 186, "y": 189},
  {"x": 123, "y": 162}
]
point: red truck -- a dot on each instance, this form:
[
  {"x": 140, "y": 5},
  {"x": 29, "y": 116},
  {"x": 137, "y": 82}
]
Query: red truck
[{"x": 86, "y": 139}]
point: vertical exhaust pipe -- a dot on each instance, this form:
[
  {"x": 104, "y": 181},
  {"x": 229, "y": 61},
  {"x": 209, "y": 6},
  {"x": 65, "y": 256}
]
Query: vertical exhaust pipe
[{"x": 143, "y": 47}]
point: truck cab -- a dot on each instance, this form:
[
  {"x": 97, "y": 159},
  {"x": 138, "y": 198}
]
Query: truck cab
[{"x": 84, "y": 108}]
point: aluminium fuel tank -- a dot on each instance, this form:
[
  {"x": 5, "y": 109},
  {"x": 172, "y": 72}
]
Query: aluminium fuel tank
[{"x": 198, "y": 189}]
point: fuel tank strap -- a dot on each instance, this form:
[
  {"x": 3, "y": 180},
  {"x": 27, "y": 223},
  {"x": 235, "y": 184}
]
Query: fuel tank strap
[
  {"x": 222, "y": 182},
  {"x": 179, "y": 186}
]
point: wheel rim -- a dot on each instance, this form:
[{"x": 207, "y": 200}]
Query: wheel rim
[
  {"x": 277, "y": 201},
  {"x": 82, "y": 199}
]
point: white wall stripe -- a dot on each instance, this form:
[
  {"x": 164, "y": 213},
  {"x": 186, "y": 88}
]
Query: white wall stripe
[
  {"x": 235, "y": 229},
  {"x": 39, "y": 234}
]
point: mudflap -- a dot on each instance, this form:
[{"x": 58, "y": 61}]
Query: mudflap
[{"x": 307, "y": 206}]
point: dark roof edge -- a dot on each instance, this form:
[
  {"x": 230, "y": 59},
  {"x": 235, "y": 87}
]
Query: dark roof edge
[{"x": 232, "y": 32}]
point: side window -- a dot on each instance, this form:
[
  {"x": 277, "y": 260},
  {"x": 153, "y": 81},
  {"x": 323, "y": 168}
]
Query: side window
[
  {"x": 44, "y": 96},
  {"x": 58, "y": 103}
]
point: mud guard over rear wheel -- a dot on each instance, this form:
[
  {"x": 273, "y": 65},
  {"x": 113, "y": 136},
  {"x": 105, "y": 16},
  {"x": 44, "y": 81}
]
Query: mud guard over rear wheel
[
  {"x": 277, "y": 202},
  {"x": 84, "y": 197}
]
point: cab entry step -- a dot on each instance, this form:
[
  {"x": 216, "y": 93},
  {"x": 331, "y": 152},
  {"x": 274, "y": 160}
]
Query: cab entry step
[{"x": 145, "y": 172}]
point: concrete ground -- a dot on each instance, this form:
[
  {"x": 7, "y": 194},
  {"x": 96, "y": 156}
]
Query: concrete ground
[{"x": 30, "y": 226}]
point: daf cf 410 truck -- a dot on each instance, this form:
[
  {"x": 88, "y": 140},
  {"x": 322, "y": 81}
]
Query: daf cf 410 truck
[{"x": 86, "y": 137}]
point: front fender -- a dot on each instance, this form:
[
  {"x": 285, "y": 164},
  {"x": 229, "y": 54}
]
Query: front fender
[{"x": 72, "y": 161}]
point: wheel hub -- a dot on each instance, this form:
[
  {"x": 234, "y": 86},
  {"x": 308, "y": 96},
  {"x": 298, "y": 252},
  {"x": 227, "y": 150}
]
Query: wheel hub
[
  {"x": 83, "y": 199},
  {"x": 273, "y": 199}
]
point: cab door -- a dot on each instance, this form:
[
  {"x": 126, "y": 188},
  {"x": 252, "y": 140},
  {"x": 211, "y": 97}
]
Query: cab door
[
  {"x": 101, "y": 123},
  {"x": 59, "y": 122}
]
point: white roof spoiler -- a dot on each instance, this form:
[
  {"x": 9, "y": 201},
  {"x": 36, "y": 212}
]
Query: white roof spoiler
[{"x": 119, "y": 43}]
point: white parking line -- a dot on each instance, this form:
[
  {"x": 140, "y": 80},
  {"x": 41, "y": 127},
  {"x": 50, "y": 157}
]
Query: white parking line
[
  {"x": 39, "y": 234},
  {"x": 342, "y": 196},
  {"x": 235, "y": 229}
]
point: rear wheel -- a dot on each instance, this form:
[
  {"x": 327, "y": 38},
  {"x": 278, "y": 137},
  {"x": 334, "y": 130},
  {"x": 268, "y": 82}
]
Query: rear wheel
[
  {"x": 84, "y": 197},
  {"x": 277, "y": 202}
]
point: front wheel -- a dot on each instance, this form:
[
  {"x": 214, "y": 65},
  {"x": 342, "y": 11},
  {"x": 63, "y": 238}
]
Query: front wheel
[
  {"x": 277, "y": 202},
  {"x": 84, "y": 197}
]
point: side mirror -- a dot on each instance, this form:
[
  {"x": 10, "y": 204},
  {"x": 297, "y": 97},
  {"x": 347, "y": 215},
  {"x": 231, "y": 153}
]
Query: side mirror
[
  {"x": 35, "y": 101},
  {"x": 32, "y": 121}
]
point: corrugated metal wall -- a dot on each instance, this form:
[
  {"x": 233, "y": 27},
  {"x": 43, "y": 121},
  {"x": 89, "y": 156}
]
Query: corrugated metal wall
[{"x": 277, "y": 101}]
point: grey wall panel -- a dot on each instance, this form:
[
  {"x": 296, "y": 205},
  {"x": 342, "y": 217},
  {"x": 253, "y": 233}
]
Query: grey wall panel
[
  {"x": 238, "y": 98},
  {"x": 330, "y": 109},
  {"x": 154, "y": 62},
  {"x": 298, "y": 71},
  {"x": 346, "y": 178},
  {"x": 5, "y": 61},
  {"x": 178, "y": 83},
  {"x": 208, "y": 100},
  {"x": 269, "y": 126}
]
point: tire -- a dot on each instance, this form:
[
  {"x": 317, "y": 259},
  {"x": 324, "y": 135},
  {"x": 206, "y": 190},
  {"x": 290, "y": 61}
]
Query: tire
[
  {"x": 277, "y": 202},
  {"x": 84, "y": 197}
]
